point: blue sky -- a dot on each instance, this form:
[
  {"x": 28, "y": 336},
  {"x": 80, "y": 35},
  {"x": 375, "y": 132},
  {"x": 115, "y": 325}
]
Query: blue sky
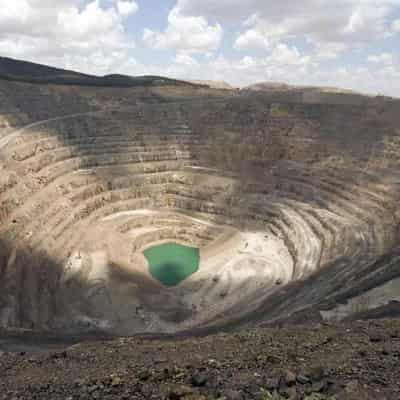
[{"x": 353, "y": 44}]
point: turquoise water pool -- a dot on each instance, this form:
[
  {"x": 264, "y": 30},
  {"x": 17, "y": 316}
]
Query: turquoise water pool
[{"x": 172, "y": 263}]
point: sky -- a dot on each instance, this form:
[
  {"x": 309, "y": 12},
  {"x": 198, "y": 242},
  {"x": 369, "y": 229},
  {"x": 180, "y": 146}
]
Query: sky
[{"x": 352, "y": 44}]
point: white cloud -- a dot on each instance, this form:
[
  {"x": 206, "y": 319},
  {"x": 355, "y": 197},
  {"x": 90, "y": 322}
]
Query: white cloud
[
  {"x": 185, "y": 34},
  {"x": 339, "y": 24},
  {"x": 126, "y": 8},
  {"x": 185, "y": 59},
  {"x": 328, "y": 51},
  {"x": 84, "y": 36},
  {"x": 383, "y": 58},
  {"x": 396, "y": 25},
  {"x": 283, "y": 54},
  {"x": 92, "y": 21},
  {"x": 283, "y": 62},
  {"x": 252, "y": 38},
  {"x": 244, "y": 64}
]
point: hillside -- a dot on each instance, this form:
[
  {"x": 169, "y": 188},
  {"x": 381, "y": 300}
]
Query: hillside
[{"x": 24, "y": 71}]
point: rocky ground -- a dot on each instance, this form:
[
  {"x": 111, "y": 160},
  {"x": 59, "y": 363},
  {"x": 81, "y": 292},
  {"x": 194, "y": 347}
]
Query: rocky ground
[{"x": 355, "y": 360}]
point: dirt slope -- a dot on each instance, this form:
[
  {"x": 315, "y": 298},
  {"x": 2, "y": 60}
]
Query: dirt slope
[{"x": 357, "y": 361}]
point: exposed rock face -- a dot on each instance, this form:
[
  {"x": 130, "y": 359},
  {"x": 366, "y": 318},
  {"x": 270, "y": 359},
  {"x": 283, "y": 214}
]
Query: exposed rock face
[{"x": 292, "y": 202}]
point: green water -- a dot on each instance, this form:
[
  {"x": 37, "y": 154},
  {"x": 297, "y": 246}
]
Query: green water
[{"x": 171, "y": 263}]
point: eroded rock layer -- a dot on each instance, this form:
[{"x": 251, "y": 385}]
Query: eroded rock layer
[{"x": 292, "y": 201}]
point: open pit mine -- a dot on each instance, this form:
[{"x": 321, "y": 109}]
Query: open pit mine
[{"x": 148, "y": 205}]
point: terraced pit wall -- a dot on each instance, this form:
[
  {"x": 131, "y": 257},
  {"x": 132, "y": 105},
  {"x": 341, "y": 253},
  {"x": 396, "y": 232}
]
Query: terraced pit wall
[{"x": 293, "y": 204}]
